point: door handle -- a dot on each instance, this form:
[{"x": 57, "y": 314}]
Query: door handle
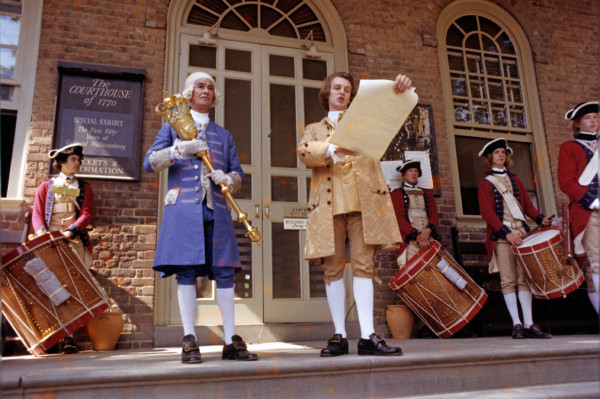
[
  {"x": 257, "y": 211},
  {"x": 266, "y": 211}
]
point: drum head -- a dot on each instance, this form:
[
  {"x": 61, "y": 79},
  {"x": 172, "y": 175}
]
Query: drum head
[
  {"x": 414, "y": 265},
  {"x": 539, "y": 237}
]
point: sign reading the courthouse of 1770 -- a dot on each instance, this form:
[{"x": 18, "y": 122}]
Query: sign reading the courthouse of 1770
[{"x": 101, "y": 107}]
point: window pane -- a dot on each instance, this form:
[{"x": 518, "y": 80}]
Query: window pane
[
  {"x": 468, "y": 23},
  {"x": 459, "y": 85},
  {"x": 515, "y": 94},
  {"x": 478, "y": 87},
  {"x": 454, "y": 37},
  {"x": 238, "y": 116},
  {"x": 314, "y": 69},
  {"x": 488, "y": 44},
  {"x": 9, "y": 30},
  {"x": 505, "y": 43},
  {"x": 284, "y": 188},
  {"x": 7, "y": 93},
  {"x": 8, "y": 59},
  {"x": 488, "y": 27},
  {"x": 462, "y": 113},
  {"x": 517, "y": 116},
  {"x": 496, "y": 89},
  {"x": 203, "y": 56},
  {"x": 283, "y": 126},
  {"x": 281, "y": 66},
  {"x": 474, "y": 63},
  {"x": 472, "y": 42},
  {"x": 246, "y": 191},
  {"x": 510, "y": 68},
  {"x": 492, "y": 65},
  {"x": 286, "y": 262},
  {"x": 481, "y": 113},
  {"x": 456, "y": 61},
  {"x": 238, "y": 60},
  {"x": 312, "y": 107},
  {"x": 499, "y": 116},
  {"x": 8, "y": 122}
]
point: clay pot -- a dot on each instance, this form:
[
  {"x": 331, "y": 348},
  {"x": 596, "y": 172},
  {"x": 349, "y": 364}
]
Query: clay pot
[
  {"x": 104, "y": 330},
  {"x": 400, "y": 319}
]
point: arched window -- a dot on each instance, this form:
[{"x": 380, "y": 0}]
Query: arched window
[
  {"x": 292, "y": 18},
  {"x": 489, "y": 92}
]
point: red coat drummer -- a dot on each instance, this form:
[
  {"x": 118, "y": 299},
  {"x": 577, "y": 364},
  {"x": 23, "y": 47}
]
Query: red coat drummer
[
  {"x": 578, "y": 178},
  {"x": 66, "y": 203},
  {"x": 416, "y": 213},
  {"x": 502, "y": 201}
]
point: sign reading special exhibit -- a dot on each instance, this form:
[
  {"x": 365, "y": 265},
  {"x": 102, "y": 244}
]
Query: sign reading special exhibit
[{"x": 101, "y": 107}]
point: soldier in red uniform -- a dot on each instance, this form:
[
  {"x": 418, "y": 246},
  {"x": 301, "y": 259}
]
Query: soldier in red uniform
[
  {"x": 504, "y": 202},
  {"x": 578, "y": 178}
]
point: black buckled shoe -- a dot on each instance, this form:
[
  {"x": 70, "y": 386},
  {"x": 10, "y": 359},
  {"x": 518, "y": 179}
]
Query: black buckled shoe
[
  {"x": 336, "y": 346},
  {"x": 376, "y": 345},
  {"x": 518, "y": 332},
  {"x": 68, "y": 346},
  {"x": 535, "y": 331},
  {"x": 237, "y": 350},
  {"x": 190, "y": 353}
]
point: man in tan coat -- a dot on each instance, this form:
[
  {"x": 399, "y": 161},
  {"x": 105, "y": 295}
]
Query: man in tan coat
[{"x": 349, "y": 199}]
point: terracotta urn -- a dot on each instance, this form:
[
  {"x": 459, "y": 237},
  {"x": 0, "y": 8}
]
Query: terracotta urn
[
  {"x": 400, "y": 319},
  {"x": 104, "y": 330}
]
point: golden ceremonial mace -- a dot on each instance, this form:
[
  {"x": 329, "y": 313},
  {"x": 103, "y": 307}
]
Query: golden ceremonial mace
[{"x": 175, "y": 109}]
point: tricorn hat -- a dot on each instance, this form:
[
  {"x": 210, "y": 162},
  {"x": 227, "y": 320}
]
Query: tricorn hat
[
  {"x": 494, "y": 144},
  {"x": 69, "y": 149},
  {"x": 582, "y": 109},
  {"x": 409, "y": 164}
]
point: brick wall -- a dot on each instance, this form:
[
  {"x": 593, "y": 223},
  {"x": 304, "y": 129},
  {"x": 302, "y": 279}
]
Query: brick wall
[
  {"x": 126, "y": 34},
  {"x": 384, "y": 38}
]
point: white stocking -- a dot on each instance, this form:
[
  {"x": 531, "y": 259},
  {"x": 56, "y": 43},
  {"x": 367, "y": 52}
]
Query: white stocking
[
  {"x": 513, "y": 310},
  {"x": 226, "y": 303},
  {"x": 525, "y": 300},
  {"x": 186, "y": 295},
  {"x": 595, "y": 296},
  {"x": 336, "y": 298},
  {"x": 363, "y": 295}
]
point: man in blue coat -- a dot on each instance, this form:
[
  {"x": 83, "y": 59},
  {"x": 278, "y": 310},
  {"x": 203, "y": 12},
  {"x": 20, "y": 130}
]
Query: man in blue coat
[{"x": 196, "y": 235}]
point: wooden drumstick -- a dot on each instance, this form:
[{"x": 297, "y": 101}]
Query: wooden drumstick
[{"x": 536, "y": 228}]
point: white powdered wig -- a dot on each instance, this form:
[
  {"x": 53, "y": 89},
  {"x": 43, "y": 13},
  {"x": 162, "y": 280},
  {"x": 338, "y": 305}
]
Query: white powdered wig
[{"x": 189, "y": 86}]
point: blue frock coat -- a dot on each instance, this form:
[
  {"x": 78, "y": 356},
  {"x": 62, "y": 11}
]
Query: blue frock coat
[{"x": 181, "y": 236}]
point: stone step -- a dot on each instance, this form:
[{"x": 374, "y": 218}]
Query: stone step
[
  {"x": 582, "y": 390},
  {"x": 434, "y": 367}
]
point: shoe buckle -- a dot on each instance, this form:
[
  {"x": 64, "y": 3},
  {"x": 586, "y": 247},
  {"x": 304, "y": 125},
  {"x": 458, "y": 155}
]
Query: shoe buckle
[
  {"x": 336, "y": 339},
  {"x": 378, "y": 338}
]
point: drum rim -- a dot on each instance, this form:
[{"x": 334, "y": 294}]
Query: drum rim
[
  {"x": 414, "y": 266},
  {"x": 31, "y": 245}
]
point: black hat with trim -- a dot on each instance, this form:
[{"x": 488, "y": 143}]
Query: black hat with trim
[
  {"x": 582, "y": 109},
  {"x": 69, "y": 149},
  {"x": 494, "y": 144},
  {"x": 409, "y": 165}
]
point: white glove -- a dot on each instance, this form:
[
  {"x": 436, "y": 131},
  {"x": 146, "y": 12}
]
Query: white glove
[
  {"x": 595, "y": 204},
  {"x": 218, "y": 176},
  {"x": 190, "y": 146}
]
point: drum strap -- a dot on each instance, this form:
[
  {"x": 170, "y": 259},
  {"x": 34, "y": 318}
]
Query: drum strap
[{"x": 509, "y": 198}]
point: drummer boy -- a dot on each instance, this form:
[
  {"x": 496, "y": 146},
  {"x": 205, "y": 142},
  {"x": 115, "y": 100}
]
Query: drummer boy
[
  {"x": 65, "y": 203},
  {"x": 416, "y": 212},
  {"x": 502, "y": 201}
]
